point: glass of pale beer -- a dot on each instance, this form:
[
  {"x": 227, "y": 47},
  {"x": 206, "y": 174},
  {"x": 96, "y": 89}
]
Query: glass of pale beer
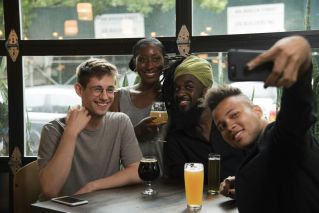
[
  {"x": 213, "y": 173},
  {"x": 194, "y": 183},
  {"x": 158, "y": 111}
]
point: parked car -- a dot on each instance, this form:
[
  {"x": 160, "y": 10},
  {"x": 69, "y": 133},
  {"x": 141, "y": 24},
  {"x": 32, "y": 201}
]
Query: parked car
[{"x": 43, "y": 104}]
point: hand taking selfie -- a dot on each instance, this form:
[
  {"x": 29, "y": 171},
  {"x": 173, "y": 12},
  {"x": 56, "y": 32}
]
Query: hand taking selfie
[
  {"x": 226, "y": 187},
  {"x": 291, "y": 57}
]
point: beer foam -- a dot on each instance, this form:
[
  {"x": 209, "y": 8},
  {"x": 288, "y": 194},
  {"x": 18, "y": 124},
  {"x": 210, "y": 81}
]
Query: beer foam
[
  {"x": 214, "y": 158},
  {"x": 149, "y": 160},
  {"x": 194, "y": 167}
]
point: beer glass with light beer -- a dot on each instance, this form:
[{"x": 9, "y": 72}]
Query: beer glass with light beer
[
  {"x": 194, "y": 182},
  {"x": 158, "y": 110},
  {"x": 159, "y": 113},
  {"x": 213, "y": 173}
]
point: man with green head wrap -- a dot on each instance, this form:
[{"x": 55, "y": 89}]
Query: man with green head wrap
[
  {"x": 198, "y": 67},
  {"x": 192, "y": 78},
  {"x": 192, "y": 133}
]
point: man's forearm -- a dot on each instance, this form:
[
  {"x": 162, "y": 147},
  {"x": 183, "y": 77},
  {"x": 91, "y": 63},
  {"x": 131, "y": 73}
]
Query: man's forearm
[
  {"x": 54, "y": 174},
  {"x": 127, "y": 176}
]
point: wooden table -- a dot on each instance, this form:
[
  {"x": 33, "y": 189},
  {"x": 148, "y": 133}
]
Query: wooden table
[{"x": 128, "y": 199}]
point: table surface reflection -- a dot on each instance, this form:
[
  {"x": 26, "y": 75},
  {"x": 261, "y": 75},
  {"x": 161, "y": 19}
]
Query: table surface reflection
[{"x": 170, "y": 198}]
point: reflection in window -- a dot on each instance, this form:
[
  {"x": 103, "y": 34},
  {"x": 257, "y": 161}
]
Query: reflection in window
[
  {"x": 253, "y": 16},
  {"x": 97, "y": 19},
  {"x": 4, "y": 123}
]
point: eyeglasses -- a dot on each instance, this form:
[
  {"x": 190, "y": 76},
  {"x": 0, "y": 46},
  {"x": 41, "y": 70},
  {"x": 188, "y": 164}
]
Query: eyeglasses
[{"x": 97, "y": 91}]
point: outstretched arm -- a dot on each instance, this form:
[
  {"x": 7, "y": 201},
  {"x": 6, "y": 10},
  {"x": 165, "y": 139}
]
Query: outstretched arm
[
  {"x": 292, "y": 70},
  {"x": 291, "y": 57},
  {"x": 227, "y": 187}
]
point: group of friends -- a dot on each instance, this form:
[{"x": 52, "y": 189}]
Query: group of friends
[{"x": 266, "y": 167}]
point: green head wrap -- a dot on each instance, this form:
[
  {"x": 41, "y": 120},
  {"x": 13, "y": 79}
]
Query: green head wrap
[{"x": 197, "y": 67}]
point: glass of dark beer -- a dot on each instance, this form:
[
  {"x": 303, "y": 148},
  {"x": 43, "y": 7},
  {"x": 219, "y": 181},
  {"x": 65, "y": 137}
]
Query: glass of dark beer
[{"x": 148, "y": 171}]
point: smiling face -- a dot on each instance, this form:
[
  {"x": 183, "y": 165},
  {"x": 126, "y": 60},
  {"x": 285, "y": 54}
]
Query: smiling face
[
  {"x": 187, "y": 91},
  {"x": 98, "y": 95},
  {"x": 149, "y": 64},
  {"x": 238, "y": 121}
]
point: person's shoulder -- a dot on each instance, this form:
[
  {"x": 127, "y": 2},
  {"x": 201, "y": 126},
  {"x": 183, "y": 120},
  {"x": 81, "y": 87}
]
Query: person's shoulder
[{"x": 57, "y": 125}]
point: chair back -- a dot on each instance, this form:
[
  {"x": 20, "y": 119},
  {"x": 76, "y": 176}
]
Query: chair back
[{"x": 26, "y": 187}]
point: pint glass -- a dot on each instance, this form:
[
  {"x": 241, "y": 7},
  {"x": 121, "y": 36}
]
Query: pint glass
[
  {"x": 194, "y": 181},
  {"x": 213, "y": 173}
]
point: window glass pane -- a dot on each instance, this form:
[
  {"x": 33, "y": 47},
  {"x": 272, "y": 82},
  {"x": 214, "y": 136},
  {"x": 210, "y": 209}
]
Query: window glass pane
[
  {"x": 253, "y": 16},
  {"x": 266, "y": 98},
  {"x": 49, "y": 90},
  {"x": 4, "y": 123},
  {"x": 97, "y": 19},
  {"x": 1, "y": 20}
]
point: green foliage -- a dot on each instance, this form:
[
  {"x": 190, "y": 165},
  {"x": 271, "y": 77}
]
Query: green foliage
[
  {"x": 315, "y": 73},
  {"x": 3, "y": 81},
  {"x": 252, "y": 95},
  {"x": 137, "y": 79},
  {"x": 278, "y": 100},
  {"x": 214, "y": 5},
  {"x": 4, "y": 117},
  {"x": 145, "y": 7},
  {"x": 125, "y": 80},
  {"x": 141, "y": 6}
]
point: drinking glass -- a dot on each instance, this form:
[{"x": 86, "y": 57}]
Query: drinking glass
[
  {"x": 213, "y": 173},
  {"x": 148, "y": 171},
  {"x": 194, "y": 183},
  {"x": 158, "y": 110}
]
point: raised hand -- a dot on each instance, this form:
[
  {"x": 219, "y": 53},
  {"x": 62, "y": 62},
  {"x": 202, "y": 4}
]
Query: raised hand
[
  {"x": 291, "y": 57},
  {"x": 77, "y": 119},
  {"x": 226, "y": 187}
]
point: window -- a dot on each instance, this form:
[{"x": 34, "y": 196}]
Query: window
[
  {"x": 98, "y": 19},
  {"x": 253, "y": 16},
  {"x": 49, "y": 90},
  {"x": 4, "y": 122}
]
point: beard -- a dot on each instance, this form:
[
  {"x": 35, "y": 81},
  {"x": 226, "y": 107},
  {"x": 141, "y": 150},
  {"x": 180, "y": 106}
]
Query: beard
[{"x": 186, "y": 119}]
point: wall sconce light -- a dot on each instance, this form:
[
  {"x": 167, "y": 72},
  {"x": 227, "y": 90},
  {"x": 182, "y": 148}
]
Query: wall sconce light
[
  {"x": 70, "y": 27},
  {"x": 208, "y": 29},
  {"x": 84, "y": 11},
  {"x": 55, "y": 34},
  {"x": 153, "y": 34}
]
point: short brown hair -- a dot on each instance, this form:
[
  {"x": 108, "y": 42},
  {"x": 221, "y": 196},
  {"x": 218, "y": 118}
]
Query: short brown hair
[
  {"x": 94, "y": 67},
  {"x": 216, "y": 95}
]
